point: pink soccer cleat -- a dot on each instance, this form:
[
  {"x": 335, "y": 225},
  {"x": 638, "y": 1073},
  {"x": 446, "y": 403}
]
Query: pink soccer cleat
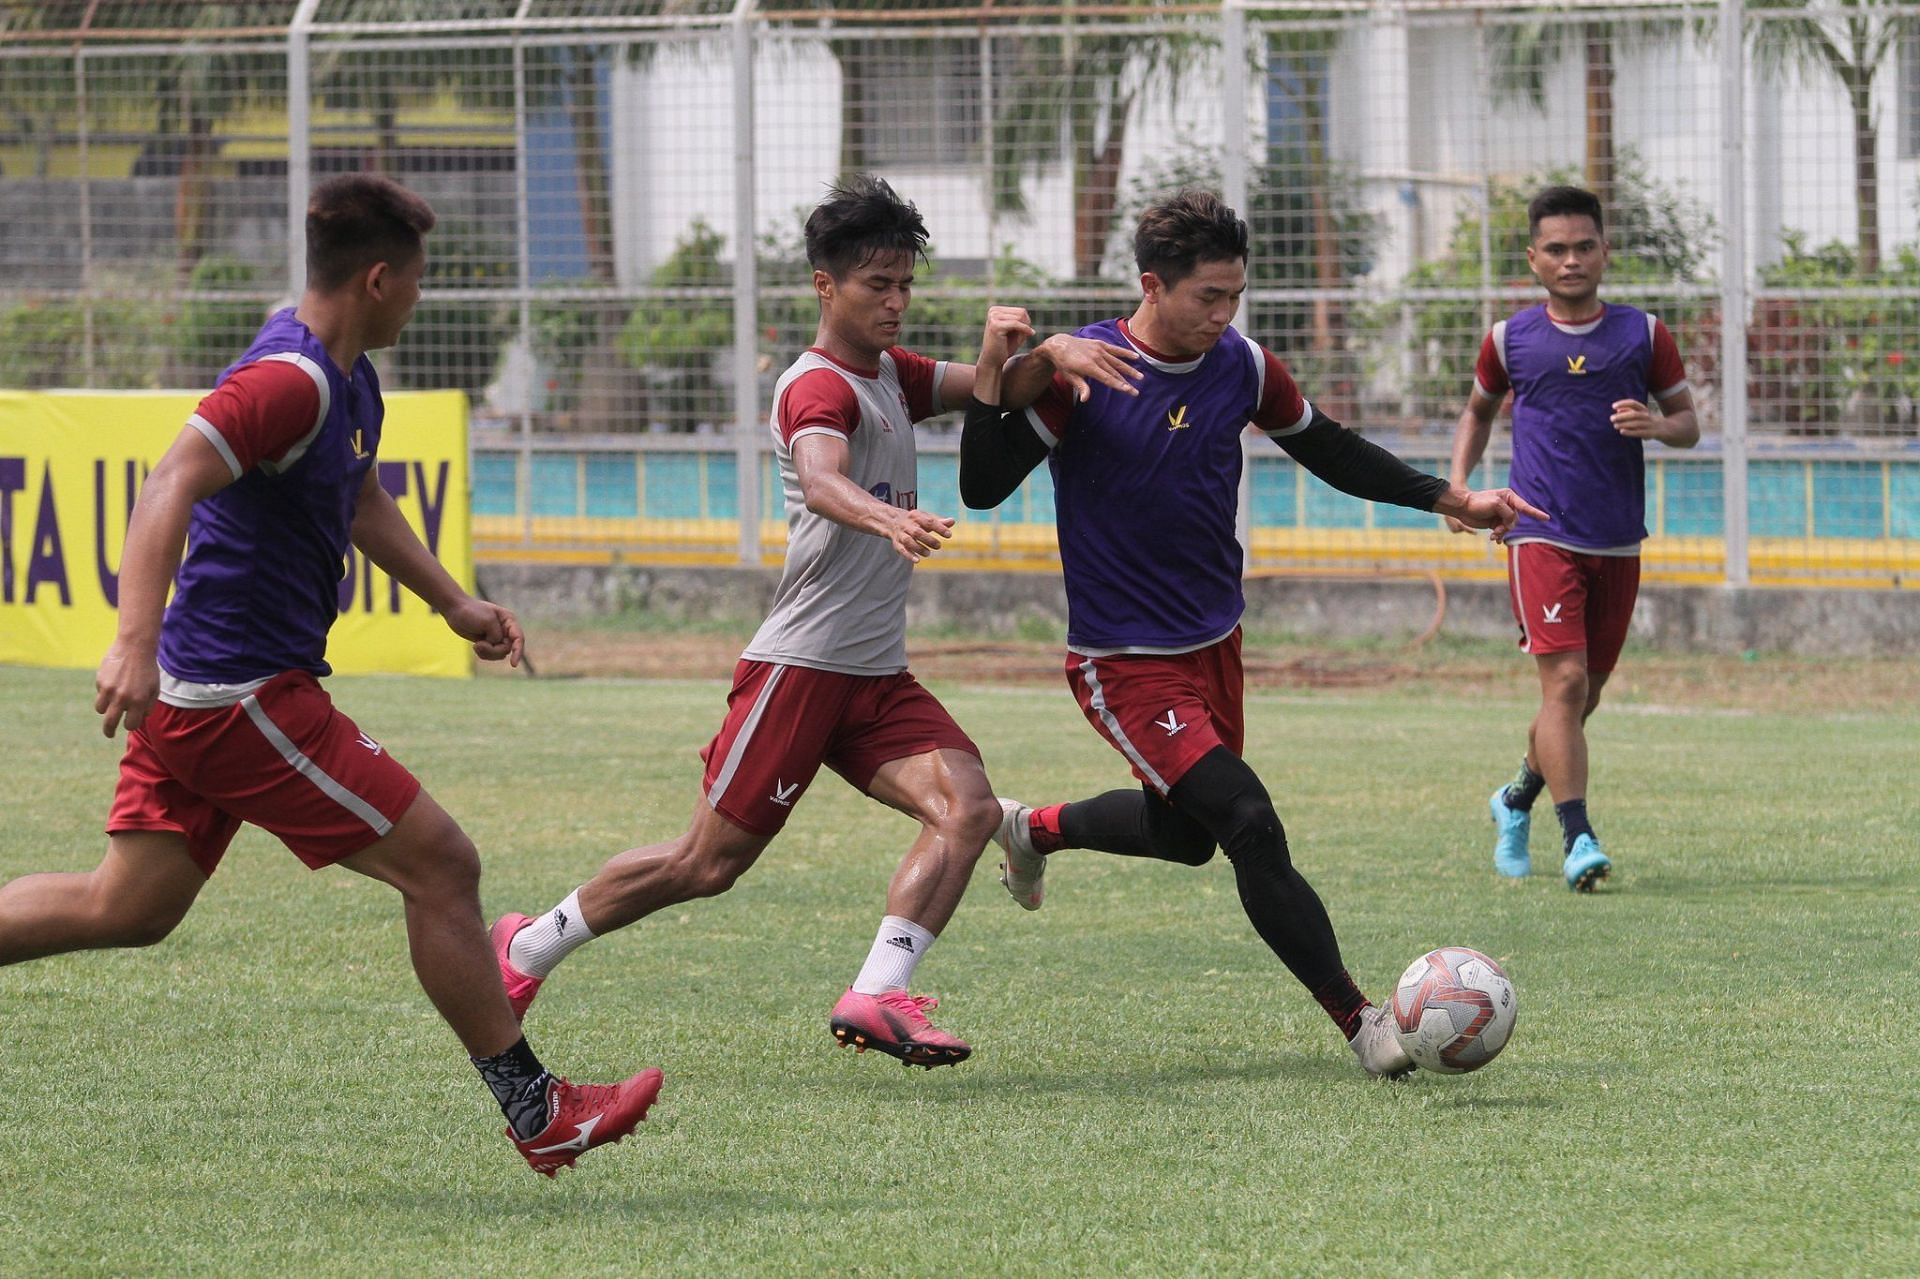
[
  {"x": 895, "y": 1023},
  {"x": 582, "y": 1116},
  {"x": 520, "y": 988}
]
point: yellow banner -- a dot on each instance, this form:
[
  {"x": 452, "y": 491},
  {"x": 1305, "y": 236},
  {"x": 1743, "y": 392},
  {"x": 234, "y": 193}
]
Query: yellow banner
[{"x": 71, "y": 465}]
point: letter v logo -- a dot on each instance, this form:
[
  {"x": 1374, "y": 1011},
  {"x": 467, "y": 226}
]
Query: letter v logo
[
  {"x": 582, "y": 1135},
  {"x": 783, "y": 795},
  {"x": 1171, "y": 723},
  {"x": 1550, "y": 612}
]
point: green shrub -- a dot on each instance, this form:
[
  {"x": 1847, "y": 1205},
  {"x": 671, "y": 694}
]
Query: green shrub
[
  {"x": 1823, "y": 363},
  {"x": 211, "y": 332},
  {"x": 43, "y": 343}
]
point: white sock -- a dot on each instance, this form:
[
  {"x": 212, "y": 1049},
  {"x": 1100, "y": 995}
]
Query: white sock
[
  {"x": 897, "y": 950},
  {"x": 537, "y": 949}
]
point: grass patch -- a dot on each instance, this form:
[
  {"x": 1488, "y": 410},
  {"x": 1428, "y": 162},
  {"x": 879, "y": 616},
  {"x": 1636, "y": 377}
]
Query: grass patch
[{"x": 1710, "y": 1074}]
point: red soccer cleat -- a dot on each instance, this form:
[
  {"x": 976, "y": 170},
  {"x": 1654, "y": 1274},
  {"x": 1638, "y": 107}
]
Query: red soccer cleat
[
  {"x": 582, "y": 1116},
  {"x": 520, "y": 988},
  {"x": 895, "y": 1023}
]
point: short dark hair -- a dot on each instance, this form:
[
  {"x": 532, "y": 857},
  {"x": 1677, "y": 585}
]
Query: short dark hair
[
  {"x": 862, "y": 217},
  {"x": 358, "y": 219},
  {"x": 1556, "y": 202},
  {"x": 1187, "y": 228}
]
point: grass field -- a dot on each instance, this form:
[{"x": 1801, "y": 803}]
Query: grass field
[{"x": 1712, "y": 1071}]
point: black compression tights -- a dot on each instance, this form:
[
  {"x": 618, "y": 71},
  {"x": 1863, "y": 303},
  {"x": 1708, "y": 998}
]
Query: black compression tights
[{"x": 1220, "y": 802}]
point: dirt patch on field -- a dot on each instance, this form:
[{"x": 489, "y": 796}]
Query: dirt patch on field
[{"x": 1445, "y": 668}]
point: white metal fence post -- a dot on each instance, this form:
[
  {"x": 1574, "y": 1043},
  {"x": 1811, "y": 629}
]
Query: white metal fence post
[
  {"x": 523, "y": 278},
  {"x": 84, "y": 138},
  {"x": 746, "y": 290},
  {"x": 1733, "y": 290},
  {"x": 299, "y": 142},
  {"x": 1233, "y": 180}
]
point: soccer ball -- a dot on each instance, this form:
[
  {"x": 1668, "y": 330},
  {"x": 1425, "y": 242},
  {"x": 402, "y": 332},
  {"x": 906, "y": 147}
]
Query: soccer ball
[{"x": 1453, "y": 1010}]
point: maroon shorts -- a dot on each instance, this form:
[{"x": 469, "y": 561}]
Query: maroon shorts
[
  {"x": 784, "y": 721},
  {"x": 1567, "y": 600},
  {"x": 1163, "y": 712},
  {"x": 282, "y": 758}
]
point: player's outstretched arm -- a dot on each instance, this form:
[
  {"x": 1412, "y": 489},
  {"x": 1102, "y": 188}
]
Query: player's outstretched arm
[
  {"x": 1356, "y": 465},
  {"x": 1362, "y": 468},
  {"x": 383, "y": 535},
  {"x": 1496, "y": 510},
  {"x": 820, "y": 464},
  {"x": 128, "y": 681},
  {"x": 1470, "y": 435}
]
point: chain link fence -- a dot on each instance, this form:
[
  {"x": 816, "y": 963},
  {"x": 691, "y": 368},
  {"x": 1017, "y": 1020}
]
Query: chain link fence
[{"x": 614, "y": 176}]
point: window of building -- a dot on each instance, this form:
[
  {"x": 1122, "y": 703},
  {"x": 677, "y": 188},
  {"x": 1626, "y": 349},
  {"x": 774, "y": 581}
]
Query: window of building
[{"x": 912, "y": 105}]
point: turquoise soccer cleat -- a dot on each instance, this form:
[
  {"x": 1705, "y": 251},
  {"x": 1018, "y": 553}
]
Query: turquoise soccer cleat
[
  {"x": 1510, "y": 856},
  {"x": 1586, "y": 865}
]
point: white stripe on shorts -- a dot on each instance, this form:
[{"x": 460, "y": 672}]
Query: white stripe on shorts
[
  {"x": 735, "y": 752},
  {"x": 311, "y": 771},
  {"x": 1519, "y": 602},
  {"x": 1097, "y": 696}
]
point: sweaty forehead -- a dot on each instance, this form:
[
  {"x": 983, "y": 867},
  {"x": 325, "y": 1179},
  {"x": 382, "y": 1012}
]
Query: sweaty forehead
[
  {"x": 1566, "y": 228},
  {"x": 893, "y": 264},
  {"x": 1227, "y": 276}
]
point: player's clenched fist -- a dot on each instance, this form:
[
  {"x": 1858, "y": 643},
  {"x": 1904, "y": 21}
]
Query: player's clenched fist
[
  {"x": 493, "y": 631},
  {"x": 127, "y": 684},
  {"x": 1008, "y": 328}
]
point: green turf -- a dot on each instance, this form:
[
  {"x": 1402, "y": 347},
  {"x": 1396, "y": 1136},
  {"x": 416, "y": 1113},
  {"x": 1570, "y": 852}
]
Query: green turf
[{"x": 1712, "y": 1071}]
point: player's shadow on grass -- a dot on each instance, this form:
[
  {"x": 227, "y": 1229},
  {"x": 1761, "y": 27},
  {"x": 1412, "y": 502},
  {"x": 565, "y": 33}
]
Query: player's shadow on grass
[
  {"x": 1166, "y": 1080},
  {"x": 603, "y": 1192}
]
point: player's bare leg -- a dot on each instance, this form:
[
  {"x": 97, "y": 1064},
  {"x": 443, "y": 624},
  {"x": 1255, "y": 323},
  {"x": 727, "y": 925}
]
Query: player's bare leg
[
  {"x": 437, "y": 870},
  {"x": 138, "y": 893},
  {"x": 1557, "y": 747},
  {"x": 947, "y": 792},
  {"x": 1557, "y": 741},
  {"x": 430, "y": 860},
  {"x": 702, "y": 861}
]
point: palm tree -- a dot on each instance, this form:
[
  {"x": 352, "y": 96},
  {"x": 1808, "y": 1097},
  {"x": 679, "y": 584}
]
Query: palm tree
[
  {"x": 1061, "y": 84},
  {"x": 1523, "y": 53},
  {"x": 190, "y": 90},
  {"x": 1853, "y": 40}
]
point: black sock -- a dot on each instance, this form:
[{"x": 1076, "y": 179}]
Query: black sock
[
  {"x": 1135, "y": 823},
  {"x": 1524, "y": 788},
  {"x": 1343, "y": 1002},
  {"x": 1573, "y": 821},
  {"x": 520, "y": 1084}
]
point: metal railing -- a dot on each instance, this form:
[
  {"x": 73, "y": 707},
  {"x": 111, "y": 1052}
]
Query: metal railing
[{"x": 621, "y": 182}]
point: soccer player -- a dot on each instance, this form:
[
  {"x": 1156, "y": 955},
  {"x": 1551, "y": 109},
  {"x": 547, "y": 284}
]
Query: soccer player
[
  {"x": 825, "y": 679},
  {"x": 1145, "y": 493},
  {"x": 1581, "y": 372},
  {"x": 270, "y": 484}
]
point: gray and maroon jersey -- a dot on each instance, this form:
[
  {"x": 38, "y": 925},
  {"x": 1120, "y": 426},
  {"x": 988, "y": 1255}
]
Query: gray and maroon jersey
[{"x": 842, "y": 600}]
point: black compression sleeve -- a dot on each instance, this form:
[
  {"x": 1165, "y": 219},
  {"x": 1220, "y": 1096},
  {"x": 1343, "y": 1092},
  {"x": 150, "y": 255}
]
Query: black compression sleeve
[
  {"x": 1354, "y": 464},
  {"x": 997, "y": 451}
]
